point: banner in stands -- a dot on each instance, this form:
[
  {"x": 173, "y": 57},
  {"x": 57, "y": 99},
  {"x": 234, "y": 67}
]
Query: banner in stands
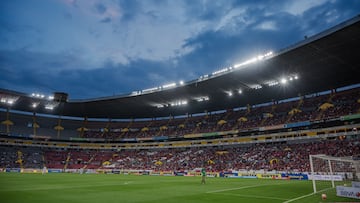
[
  {"x": 31, "y": 170},
  {"x": 166, "y": 173},
  {"x": 326, "y": 177},
  {"x": 115, "y": 171},
  {"x": 129, "y": 139},
  {"x": 15, "y": 170},
  {"x": 19, "y": 135},
  {"x": 268, "y": 176},
  {"x": 160, "y": 138},
  {"x": 144, "y": 138},
  {"x": 155, "y": 173},
  {"x": 228, "y": 132},
  {"x": 211, "y": 134},
  {"x": 298, "y": 124},
  {"x": 41, "y": 137},
  {"x": 180, "y": 173},
  {"x": 295, "y": 176},
  {"x": 351, "y": 192},
  {"x": 350, "y": 117},
  {"x": 192, "y": 135},
  {"x": 78, "y": 139},
  {"x": 272, "y": 127},
  {"x": 355, "y": 184},
  {"x": 54, "y": 170}
]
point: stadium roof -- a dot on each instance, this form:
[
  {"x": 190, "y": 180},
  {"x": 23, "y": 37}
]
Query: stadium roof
[{"x": 326, "y": 61}]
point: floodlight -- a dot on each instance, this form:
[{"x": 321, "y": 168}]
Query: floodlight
[
  {"x": 202, "y": 98},
  {"x": 170, "y": 85},
  {"x": 49, "y": 107},
  {"x": 34, "y": 105},
  {"x": 160, "y": 105},
  {"x": 181, "y": 82},
  {"x": 240, "y": 91},
  {"x": 257, "y": 87},
  {"x": 230, "y": 93},
  {"x": 8, "y": 99},
  {"x": 296, "y": 77},
  {"x": 283, "y": 81}
]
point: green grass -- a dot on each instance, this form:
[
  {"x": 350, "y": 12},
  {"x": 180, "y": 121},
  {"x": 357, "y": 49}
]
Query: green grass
[{"x": 89, "y": 188}]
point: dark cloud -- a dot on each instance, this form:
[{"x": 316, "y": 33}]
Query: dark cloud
[
  {"x": 41, "y": 72},
  {"x": 322, "y": 17},
  {"x": 197, "y": 10},
  {"x": 129, "y": 9},
  {"x": 233, "y": 31},
  {"x": 218, "y": 49},
  {"x": 100, "y": 8},
  {"x": 106, "y": 20},
  {"x": 35, "y": 71}
]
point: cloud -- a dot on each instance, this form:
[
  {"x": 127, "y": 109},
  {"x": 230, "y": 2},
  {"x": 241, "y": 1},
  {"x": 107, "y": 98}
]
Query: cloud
[
  {"x": 296, "y": 7},
  {"x": 129, "y": 9},
  {"x": 106, "y": 20},
  {"x": 33, "y": 72},
  {"x": 101, "y": 8},
  {"x": 267, "y": 25},
  {"x": 92, "y": 48}
]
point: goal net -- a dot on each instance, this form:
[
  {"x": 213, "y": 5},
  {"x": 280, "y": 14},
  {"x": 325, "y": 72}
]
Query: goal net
[{"x": 328, "y": 172}]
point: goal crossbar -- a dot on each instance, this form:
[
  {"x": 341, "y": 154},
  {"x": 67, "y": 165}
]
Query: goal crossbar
[{"x": 343, "y": 159}]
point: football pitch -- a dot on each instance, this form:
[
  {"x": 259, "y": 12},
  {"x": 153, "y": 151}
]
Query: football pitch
[{"x": 108, "y": 188}]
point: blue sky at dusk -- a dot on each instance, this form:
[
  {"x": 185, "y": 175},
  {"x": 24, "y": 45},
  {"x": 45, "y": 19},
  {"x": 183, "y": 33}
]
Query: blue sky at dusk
[{"x": 93, "y": 48}]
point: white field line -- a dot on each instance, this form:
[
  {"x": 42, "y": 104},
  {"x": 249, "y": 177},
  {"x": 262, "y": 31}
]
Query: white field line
[
  {"x": 291, "y": 200},
  {"x": 244, "y": 187},
  {"x": 253, "y": 196}
]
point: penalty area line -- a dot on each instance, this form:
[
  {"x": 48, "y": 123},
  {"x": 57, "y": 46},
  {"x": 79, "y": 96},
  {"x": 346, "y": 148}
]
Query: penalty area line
[
  {"x": 244, "y": 187},
  {"x": 253, "y": 196}
]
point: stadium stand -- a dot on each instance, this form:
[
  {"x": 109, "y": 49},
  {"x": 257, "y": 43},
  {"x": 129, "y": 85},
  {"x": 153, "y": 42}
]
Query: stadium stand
[
  {"x": 279, "y": 156},
  {"x": 269, "y": 129}
]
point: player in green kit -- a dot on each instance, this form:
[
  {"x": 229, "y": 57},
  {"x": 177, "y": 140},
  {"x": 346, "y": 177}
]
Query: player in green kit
[{"x": 203, "y": 175}]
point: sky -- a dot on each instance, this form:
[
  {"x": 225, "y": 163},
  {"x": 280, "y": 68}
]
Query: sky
[{"x": 99, "y": 48}]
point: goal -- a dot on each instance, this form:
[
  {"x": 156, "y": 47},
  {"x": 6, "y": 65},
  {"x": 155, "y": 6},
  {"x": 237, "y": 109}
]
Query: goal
[{"x": 328, "y": 172}]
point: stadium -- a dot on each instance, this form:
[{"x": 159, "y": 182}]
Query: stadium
[{"x": 261, "y": 136}]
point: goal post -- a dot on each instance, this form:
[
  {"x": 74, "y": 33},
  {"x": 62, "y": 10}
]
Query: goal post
[{"x": 328, "y": 172}]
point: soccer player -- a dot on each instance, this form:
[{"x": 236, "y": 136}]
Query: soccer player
[{"x": 203, "y": 175}]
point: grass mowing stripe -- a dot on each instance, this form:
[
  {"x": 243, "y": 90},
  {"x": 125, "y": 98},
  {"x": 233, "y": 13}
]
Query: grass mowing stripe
[
  {"x": 252, "y": 196},
  {"x": 94, "y": 188},
  {"x": 47, "y": 187}
]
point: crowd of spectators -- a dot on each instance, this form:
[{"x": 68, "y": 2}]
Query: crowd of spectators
[
  {"x": 261, "y": 156},
  {"x": 274, "y": 113},
  {"x": 305, "y": 108},
  {"x": 264, "y": 156}
]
